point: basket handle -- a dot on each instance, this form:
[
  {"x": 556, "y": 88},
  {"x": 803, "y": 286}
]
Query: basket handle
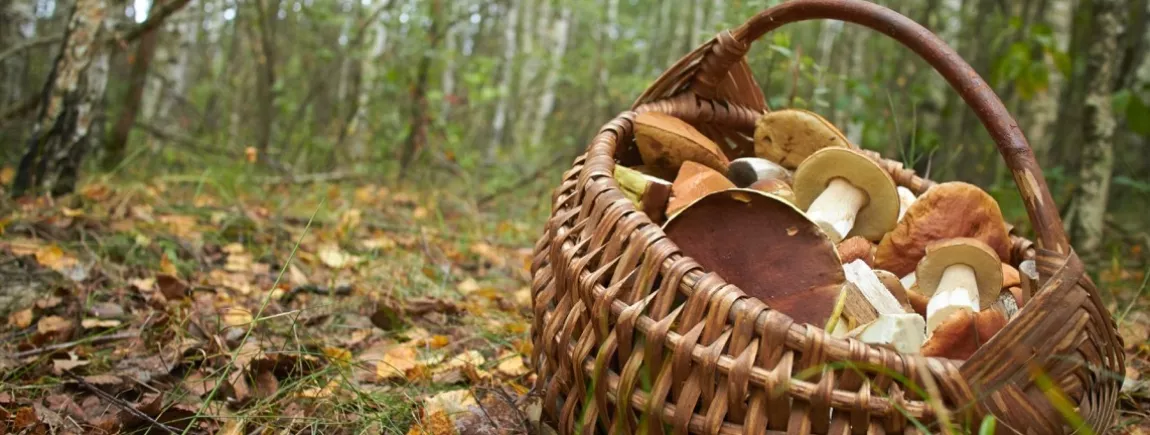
[{"x": 973, "y": 89}]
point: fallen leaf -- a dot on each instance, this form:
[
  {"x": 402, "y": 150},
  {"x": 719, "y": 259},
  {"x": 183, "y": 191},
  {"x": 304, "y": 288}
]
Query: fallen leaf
[
  {"x": 333, "y": 257},
  {"x": 48, "y": 302},
  {"x": 171, "y": 287},
  {"x": 523, "y": 297},
  {"x": 7, "y": 174},
  {"x": 338, "y": 355},
  {"x": 468, "y": 286},
  {"x": 51, "y": 256},
  {"x": 167, "y": 266},
  {"x": 511, "y": 365},
  {"x": 143, "y": 284},
  {"x": 296, "y": 275},
  {"x": 438, "y": 423},
  {"x": 59, "y": 366},
  {"x": 489, "y": 253},
  {"x": 449, "y": 402},
  {"x": 382, "y": 243},
  {"x": 106, "y": 310},
  {"x": 90, "y": 323},
  {"x": 20, "y": 319},
  {"x": 236, "y": 317},
  {"x": 396, "y": 362},
  {"x": 241, "y": 262},
  {"x": 52, "y": 325}
]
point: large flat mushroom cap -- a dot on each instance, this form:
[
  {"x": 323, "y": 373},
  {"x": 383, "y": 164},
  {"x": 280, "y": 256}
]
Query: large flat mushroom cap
[
  {"x": 971, "y": 252},
  {"x": 947, "y": 210},
  {"x": 665, "y": 142},
  {"x": 878, "y": 215},
  {"x": 788, "y": 136},
  {"x": 764, "y": 246}
]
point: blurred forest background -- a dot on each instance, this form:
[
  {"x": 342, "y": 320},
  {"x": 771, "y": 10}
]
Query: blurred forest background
[{"x": 402, "y": 153}]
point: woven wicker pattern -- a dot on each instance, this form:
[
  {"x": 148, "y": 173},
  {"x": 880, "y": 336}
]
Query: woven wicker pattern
[{"x": 633, "y": 337}]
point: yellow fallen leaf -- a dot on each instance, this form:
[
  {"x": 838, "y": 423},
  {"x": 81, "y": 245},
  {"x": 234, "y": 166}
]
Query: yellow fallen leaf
[
  {"x": 333, "y": 257},
  {"x": 51, "y": 256},
  {"x": 437, "y": 341},
  {"x": 7, "y": 174},
  {"x": 21, "y": 319},
  {"x": 239, "y": 262},
  {"x": 523, "y": 297},
  {"x": 143, "y": 284},
  {"x": 336, "y": 354},
  {"x": 396, "y": 362},
  {"x": 382, "y": 243},
  {"x": 91, "y": 323},
  {"x": 511, "y": 365},
  {"x": 53, "y": 324},
  {"x": 236, "y": 316},
  {"x": 449, "y": 402},
  {"x": 166, "y": 266},
  {"x": 468, "y": 286}
]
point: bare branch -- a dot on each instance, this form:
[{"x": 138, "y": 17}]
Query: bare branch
[{"x": 29, "y": 44}]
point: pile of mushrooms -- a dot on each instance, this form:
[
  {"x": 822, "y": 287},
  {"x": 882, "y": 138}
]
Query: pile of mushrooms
[{"x": 819, "y": 231}]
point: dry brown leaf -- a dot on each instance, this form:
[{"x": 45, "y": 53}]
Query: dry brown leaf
[
  {"x": 395, "y": 363},
  {"x": 665, "y": 142},
  {"x": 490, "y": 254},
  {"x": 171, "y": 287},
  {"x": 511, "y": 365},
  {"x": 48, "y": 302},
  {"x": 449, "y": 402},
  {"x": 166, "y": 265},
  {"x": 236, "y": 316},
  {"x": 52, "y": 325},
  {"x": 434, "y": 424},
  {"x": 20, "y": 319},
  {"x": 59, "y": 366}
]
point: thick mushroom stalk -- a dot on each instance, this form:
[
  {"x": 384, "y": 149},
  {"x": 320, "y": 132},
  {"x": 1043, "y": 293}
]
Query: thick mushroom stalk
[
  {"x": 959, "y": 275},
  {"x": 957, "y": 290},
  {"x": 837, "y": 207},
  {"x": 847, "y": 194}
]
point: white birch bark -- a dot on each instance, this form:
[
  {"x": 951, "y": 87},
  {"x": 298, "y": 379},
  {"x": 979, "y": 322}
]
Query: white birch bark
[
  {"x": 369, "y": 70},
  {"x": 560, "y": 36},
  {"x": 499, "y": 123}
]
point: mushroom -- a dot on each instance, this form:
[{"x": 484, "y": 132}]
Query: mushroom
[
  {"x": 847, "y": 194},
  {"x": 760, "y": 243},
  {"x": 959, "y": 275},
  {"x": 778, "y": 188},
  {"x": 856, "y": 248},
  {"x": 895, "y": 287},
  {"x": 649, "y": 194},
  {"x": 902, "y": 332},
  {"x": 872, "y": 288},
  {"x": 750, "y": 170},
  {"x": 905, "y": 199},
  {"x": 694, "y": 181},
  {"x": 963, "y": 332},
  {"x": 666, "y": 142},
  {"x": 945, "y": 211},
  {"x": 1028, "y": 274},
  {"x": 788, "y": 137}
]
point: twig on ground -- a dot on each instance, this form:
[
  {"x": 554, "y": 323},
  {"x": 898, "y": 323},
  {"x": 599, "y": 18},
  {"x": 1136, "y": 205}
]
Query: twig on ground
[
  {"x": 99, "y": 339},
  {"x": 120, "y": 403}
]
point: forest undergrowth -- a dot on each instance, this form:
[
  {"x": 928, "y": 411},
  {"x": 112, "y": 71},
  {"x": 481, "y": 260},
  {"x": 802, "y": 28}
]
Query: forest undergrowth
[{"x": 247, "y": 304}]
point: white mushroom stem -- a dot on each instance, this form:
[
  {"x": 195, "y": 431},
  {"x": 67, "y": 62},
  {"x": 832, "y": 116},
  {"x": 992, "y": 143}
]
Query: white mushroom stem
[
  {"x": 836, "y": 208},
  {"x": 957, "y": 290},
  {"x": 905, "y": 199}
]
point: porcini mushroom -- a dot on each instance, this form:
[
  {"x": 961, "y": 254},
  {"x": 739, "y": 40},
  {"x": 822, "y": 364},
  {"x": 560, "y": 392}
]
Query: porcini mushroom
[
  {"x": 895, "y": 287},
  {"x": 750, "y": 170},
  {"x": 959, "y": 275},
  {"x": 778, "y": 188},
  {"x": 649, "y": 194},
  {"x": 764, "y": 246},
  {"x": 945, "y": 211},
  {"x": 788, "y": 137},
  {"x": 963, "y": 332},
  {"x": 693, "y": 182},
  {"x": 666, "y": 142},
  {"x": 847, "y": 194},
  {"x": 1028, "y": 274}
]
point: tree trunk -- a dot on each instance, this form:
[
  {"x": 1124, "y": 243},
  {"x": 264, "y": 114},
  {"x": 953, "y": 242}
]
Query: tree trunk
[
  {"x": 1044, "y": 108},
  {"x": 1098, "y": 128},
  {"x": 177, "y": 67},
  {"x": 137, "y": 79},
  {"x": 266, "y": 81},
  {"x": 369, "y": 70},
  {"x": 499, "y": 122},
  {"x": 547, "y": 98},
  {"x": 75, "y": 86},
  {"x": 19, "y": 26},
  {"x": 416, "y": 138}
]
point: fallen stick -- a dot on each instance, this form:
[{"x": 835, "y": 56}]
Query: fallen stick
[{"x": 100, "y": 339}]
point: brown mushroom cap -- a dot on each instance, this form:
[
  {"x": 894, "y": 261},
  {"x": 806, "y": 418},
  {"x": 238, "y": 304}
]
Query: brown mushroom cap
[
  {"x": 1010, "y": 277},
  {"x": 788, "y": 137},
  {"x": 963, "y": 332},
  {"x": 971, "y": 252},
  {"x": 878, "y": 215},
  {"x": 693, "y": 182},
  {"x": 945, "y": 211},
  {"x": 666, "y": 142},
  {"x": 856, "y": 248},
  {"x": 766, "y": 247},
  {"x": 918, "y": 301},
  {"x": 778, "y": 188},
  {"x": 892, "y": 284}
]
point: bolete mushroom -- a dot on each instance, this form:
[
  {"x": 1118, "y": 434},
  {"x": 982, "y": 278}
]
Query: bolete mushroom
[
  {"x": 778, "y": 188},
  {"x": 666, "y": 142},
  {"x": 788, "y": 137},
  {"x": 1028, "y": 274},
  {"x": 766, "y": 247},
  {"x": 847, "y": 194},
  {"x": 693, "y": 182},
  {"x": 747, "y": 171},
  {"x": 960, "y": 274},
  {"x": 649, "y": 193},
  {"x": 963, "y": 332},
  {"x": 945, "y": 211},
  {"x": 856, "y": 248},
  {"x": 895, "y": 287}
]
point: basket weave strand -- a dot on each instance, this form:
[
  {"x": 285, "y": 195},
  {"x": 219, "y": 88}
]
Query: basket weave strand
[{"x": 633, "y": 337}]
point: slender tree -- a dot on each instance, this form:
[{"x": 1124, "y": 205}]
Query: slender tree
[{"x": 137, "y": 79}]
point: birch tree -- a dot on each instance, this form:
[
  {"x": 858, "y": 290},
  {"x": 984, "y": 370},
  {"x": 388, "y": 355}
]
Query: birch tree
[
  {"x": 62, "y": 132},
  {"x": 1098, "y": 128},
  {"x": 499, "y": 121},
  {"x": 559, "y": 34}
]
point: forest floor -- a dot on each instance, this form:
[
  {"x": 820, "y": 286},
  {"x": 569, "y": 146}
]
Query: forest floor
[{"x": 179, "y": 305}]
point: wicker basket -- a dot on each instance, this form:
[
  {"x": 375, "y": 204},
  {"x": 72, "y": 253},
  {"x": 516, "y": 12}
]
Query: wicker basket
[{"x": 632, "y": 337}]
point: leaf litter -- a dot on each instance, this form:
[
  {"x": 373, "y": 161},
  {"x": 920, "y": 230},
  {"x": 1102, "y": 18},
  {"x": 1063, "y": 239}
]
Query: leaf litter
[{"x": 147, "y": 307}]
